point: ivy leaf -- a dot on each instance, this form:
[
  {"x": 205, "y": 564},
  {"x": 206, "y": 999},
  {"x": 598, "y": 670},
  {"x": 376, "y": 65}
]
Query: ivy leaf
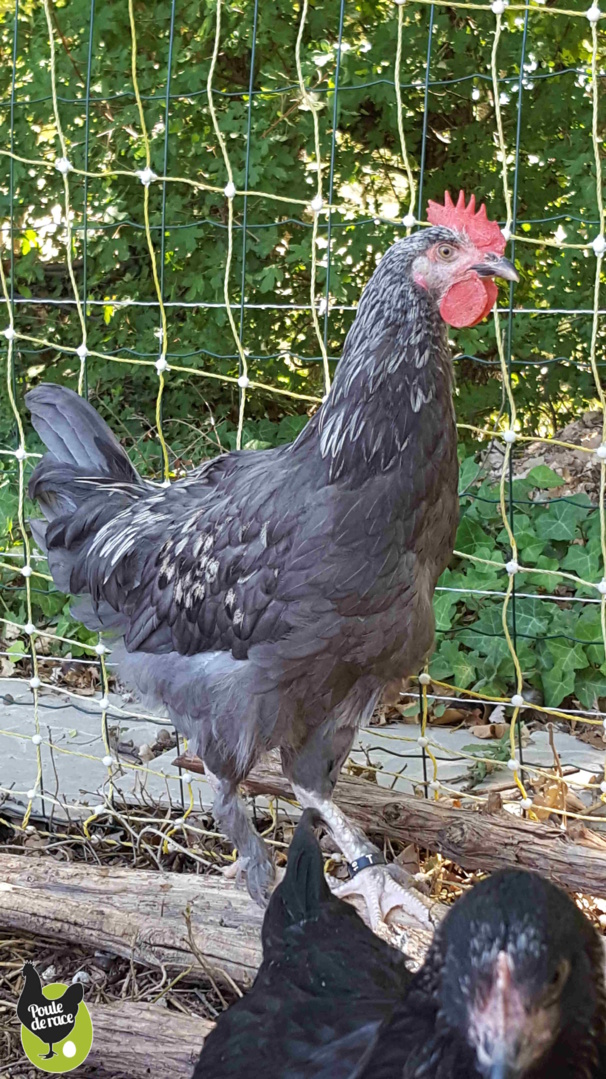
[
  {"x": 468, "y": 472},
  {"x": 532, "y": 619},
  {"x": 442, "y": 607},
  {"x": 470, "y": 535},
  {"x": 560, "y": 521},
  {"x": 544, "y": 477},
  {"x": 583, "y": 560},
  {"x": 566, "y": 655},
  {"x": 557, "y": 685},
  {"x": 589, "y": 686}
]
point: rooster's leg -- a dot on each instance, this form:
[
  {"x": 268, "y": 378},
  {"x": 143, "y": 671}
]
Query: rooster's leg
[
  {"x": 47, "y": 1056},
  {"x": 254, "y": 861},
  {"x": 313, "y": 769},
  {"x": 381, "y": 888}
]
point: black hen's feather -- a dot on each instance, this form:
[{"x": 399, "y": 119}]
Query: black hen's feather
[{"x": 325, "y": 985}]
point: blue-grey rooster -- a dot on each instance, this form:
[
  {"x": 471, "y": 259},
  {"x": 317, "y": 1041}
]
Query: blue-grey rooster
[{"x": 269, "y": 598}]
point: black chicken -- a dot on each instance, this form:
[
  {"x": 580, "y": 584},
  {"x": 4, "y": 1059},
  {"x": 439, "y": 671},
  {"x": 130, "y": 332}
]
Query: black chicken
[
  {"x": 269, "y": 598},
  {"x": 49, "y": 1020},
  {"x": 512, "y": 988},
  {"x": 308, "y": 1014}
]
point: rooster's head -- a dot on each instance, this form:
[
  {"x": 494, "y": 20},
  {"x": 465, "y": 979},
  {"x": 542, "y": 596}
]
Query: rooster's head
[{"x": 460, "y": 257}]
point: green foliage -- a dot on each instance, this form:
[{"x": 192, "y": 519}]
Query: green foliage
[{"x": 559, "y": 644}]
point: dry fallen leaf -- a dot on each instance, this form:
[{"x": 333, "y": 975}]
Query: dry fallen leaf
[{"x": 489, "y": 730}]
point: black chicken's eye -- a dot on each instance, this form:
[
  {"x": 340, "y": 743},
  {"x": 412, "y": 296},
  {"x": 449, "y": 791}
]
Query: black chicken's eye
[
  {"x": 560, "y": 973},
  {"x": 445, "y": 251},
  {"x": 557, "y": 982}
]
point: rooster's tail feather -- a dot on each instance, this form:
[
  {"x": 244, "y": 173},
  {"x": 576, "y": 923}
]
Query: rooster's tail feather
[{"x": 81, "y": 484}]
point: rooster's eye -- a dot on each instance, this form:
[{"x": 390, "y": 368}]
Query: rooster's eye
[{"x": 445, "y": 251}]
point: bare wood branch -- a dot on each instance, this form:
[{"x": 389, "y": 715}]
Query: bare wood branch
[
  {"x": 473, "y": 840},
  {"x": 135, "y": 913},
  {"x": 134, "y": 1041}
]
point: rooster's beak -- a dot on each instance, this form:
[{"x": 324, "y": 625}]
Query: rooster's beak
[{"x": 497, "y": 266}]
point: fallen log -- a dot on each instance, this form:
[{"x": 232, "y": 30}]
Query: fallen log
[
  {"x": 139, "y": 1041},
  {"x": 475, "y": 841},
  {"x": 135, "y": 913}
]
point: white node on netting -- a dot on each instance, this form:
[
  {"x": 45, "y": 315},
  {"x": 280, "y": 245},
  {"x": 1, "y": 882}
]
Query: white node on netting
[
  {"x": 108, "y": 761},
  {"x": 100, "y": 649},
  {"x": 30, "y": 629},
  {"x": 146, "y": 176},
  {"x": 30, "y": 829},
  {"x": 20, "y": 453},
  {"x": 513, "y": 765},
  {"x": 103, "y": 703},
  {"x": 229, "y": 190},
  {"x": 400, "y": 3},
  {"x": 9, "y": 333},
  {"x": 63, "y": 166},
  {"x": 604, "y": 724},
  {"x": 601, "y": 587},
  {"x": 31, "y": 794},
  {"x": 165, "y": 483},
  {"x": 186, "y": 777},
  {"x": 97, "y": 811},
  {"x": 593, "y": 13},
  {"x": 423, "y": 742},
  {"x": 243, "y": 382},
  {"x": 161, "y": 365},
  {"x": 26, "y": 571},
  {"x": 599, "y": 245},
  {"x": 512, "y": 567},
  {"x": 603, "y": 786},
  {"x": 498, "y": 6},
  {"x": 82, "y": 351},
  {"x": 180, "y": 821},
  {"x": 509, "y": 435},
  {"x": 424, "y": 679},
  {"x": 434, "y": 785},
  {"x": 526, "y": 803},
  {"x": 518, "y": 701},
  {"x": 601, "y": 451},
  {"x": 317, "y": 204},
  {"x": 409, "y": 220},
  {"x": 36, "y": 739},
  {"x": 475, "y": 94},
  {"x": 34, "y": 683},
  {"x": 506, "y": 234}
]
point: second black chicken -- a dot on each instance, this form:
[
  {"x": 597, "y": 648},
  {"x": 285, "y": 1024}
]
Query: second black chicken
[{"x": 512, "y": 988}]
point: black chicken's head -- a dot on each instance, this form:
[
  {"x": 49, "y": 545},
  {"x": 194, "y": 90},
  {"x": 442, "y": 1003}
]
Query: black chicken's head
[
  {"x": 521, "y": 975},
  {"x": 453, "y": 262}
]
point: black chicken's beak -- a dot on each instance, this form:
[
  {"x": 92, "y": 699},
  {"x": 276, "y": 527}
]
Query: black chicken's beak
[
  {"x": 501, "y": 1071},
  {"x": 497, "y": 266}
]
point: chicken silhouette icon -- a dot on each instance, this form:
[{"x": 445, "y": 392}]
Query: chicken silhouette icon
[{"x": 50, "y": 1020}]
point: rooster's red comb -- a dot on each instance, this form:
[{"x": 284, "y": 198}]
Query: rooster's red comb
[{"x": 483, "y": 233}]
